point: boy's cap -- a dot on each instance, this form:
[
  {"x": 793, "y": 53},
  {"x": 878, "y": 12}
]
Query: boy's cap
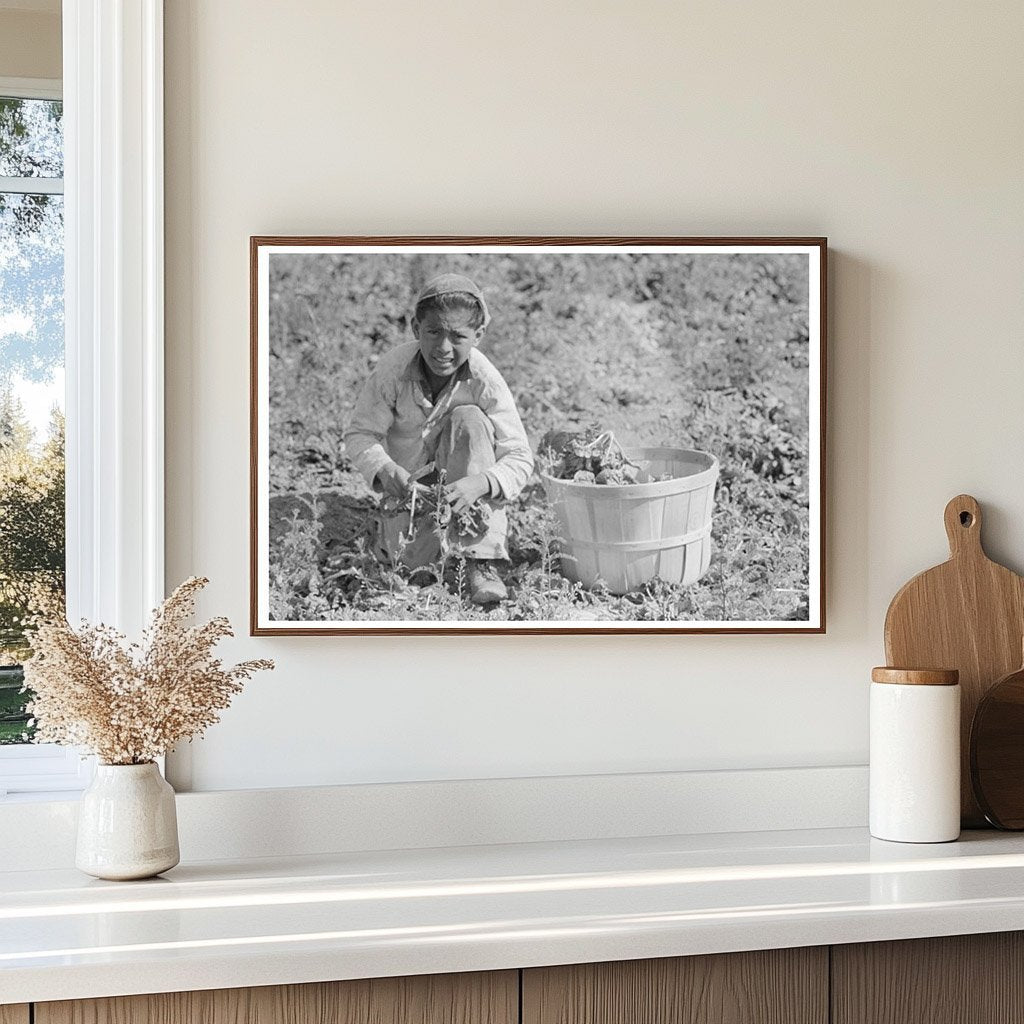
[{"x": 445, "y": 284}]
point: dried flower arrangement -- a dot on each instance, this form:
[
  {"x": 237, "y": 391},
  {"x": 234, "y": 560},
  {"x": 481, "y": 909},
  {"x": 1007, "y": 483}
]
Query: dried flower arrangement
[{"x": 130, "y": 703}]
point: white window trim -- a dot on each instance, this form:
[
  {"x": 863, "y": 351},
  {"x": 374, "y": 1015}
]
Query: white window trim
[
  {"x": 114, "y": 324},
  {"x": 32, "y": 88},
  {"x": 31, "y": 186},
  {"x": 42, "y": 768},
  {"x": 113, "y": 169}
]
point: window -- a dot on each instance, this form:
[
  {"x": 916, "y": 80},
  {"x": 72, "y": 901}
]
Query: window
[
  {"x": 32, "y": 532},
  {"x": 31, "y": 382}
]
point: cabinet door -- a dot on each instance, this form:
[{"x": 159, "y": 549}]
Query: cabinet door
[
  {"x": 777, "y": 986},
  {"x": 490, "y": 998},
  {"x": 962, "y": 979},
  {"x": 14, "y": 1014}
]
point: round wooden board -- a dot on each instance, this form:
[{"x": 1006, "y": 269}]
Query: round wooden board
[{"x": 997, "y": 752}]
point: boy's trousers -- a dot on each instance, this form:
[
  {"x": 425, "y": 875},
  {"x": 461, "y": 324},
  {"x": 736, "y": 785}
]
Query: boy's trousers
[{"x": 464, "y": 447}]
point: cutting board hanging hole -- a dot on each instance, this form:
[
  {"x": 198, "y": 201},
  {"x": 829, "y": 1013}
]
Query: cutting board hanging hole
[{"x": 963, "y": 525}]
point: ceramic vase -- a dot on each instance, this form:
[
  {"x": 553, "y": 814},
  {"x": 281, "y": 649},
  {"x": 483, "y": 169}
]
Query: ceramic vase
[{"x": 127, "y": 825}]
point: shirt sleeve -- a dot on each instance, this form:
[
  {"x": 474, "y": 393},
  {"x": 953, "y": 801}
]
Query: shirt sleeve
[
  {"x": 513, "y": 457},
  {"x": 371, "y": 419}
]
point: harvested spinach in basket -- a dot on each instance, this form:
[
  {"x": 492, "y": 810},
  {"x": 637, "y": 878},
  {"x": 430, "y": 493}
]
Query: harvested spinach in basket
[{"x": 590, "y": 456}]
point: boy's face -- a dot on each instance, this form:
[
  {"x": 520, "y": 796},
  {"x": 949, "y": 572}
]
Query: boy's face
[{"x": 446, "y": 339}]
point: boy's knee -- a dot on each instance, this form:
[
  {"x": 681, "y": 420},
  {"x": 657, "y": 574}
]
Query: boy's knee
[
  {"x": 469, "y": 419},
  {"x": 466, "y": 443}
]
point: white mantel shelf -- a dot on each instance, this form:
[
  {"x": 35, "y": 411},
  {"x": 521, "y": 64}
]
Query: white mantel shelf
[{"x": 224, "y": 924}]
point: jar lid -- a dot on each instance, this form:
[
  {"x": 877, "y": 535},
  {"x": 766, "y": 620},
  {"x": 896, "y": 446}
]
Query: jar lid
[{"x": 916, "y": 676}]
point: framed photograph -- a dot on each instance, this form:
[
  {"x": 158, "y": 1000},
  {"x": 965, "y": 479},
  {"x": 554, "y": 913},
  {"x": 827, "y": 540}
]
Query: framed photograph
[{"x": 537, "y": 435}]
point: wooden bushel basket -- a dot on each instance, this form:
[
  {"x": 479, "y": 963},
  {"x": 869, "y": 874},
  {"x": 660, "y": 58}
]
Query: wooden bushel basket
[{"x": 626, "y": 535}]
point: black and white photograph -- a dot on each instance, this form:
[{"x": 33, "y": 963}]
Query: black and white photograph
[{"x": 537, "y": 435}]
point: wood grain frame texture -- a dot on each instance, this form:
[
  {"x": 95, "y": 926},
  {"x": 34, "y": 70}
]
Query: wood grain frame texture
[
  {"x": 771, "y": 986},
  {"x": 490, "y": 997},
  {"x": 956, "y": 979},
  {"x": 15, "y": 1014},
  {"x": 258, "y": 241}
]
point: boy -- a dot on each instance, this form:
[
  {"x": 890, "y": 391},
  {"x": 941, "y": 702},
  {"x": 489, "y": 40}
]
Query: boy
[{"x": 438, "y": 400}]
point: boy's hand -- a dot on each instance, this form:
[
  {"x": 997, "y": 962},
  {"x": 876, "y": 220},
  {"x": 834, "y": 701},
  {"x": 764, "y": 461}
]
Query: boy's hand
[
  {"x": 464, "y": 492},
  {"x": 394, "y": 480}
]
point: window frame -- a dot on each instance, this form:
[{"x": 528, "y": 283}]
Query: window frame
[{"x": 112, "y": 90}]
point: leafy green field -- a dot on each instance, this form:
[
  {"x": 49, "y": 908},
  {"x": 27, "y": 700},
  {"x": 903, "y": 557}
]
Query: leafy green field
[{"x": 707, "y": 351}]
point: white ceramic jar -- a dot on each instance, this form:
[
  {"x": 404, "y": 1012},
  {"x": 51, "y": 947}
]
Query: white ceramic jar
[
  {"x": 915, "y": 755},
  {"x": 127, "y": 823}
]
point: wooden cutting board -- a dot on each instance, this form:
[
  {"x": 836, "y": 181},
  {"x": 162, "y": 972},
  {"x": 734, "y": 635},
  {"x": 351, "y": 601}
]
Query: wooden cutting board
[{"x": 967, "y": 614}]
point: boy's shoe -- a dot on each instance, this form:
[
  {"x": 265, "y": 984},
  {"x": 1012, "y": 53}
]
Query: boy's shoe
[
  {"x": 423, "y": 577},
  {"x": 485, "y": 585}
]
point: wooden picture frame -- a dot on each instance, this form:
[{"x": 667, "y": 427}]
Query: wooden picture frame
[{"x": 684, "y": 349}]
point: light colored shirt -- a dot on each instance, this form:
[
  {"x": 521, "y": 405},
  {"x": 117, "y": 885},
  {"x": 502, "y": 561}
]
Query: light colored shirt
[{"x": 394, "y": 419}]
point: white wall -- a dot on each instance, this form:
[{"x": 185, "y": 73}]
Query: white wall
[{"x": 895, "y": 129}]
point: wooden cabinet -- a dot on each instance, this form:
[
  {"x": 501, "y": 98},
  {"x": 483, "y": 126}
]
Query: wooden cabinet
[
  {"x": 777, "y": 986},
  {"x": 14, "y": 1014},
  {"x": 491, "y": 998},
  {"x": 962, "y": 979}
]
